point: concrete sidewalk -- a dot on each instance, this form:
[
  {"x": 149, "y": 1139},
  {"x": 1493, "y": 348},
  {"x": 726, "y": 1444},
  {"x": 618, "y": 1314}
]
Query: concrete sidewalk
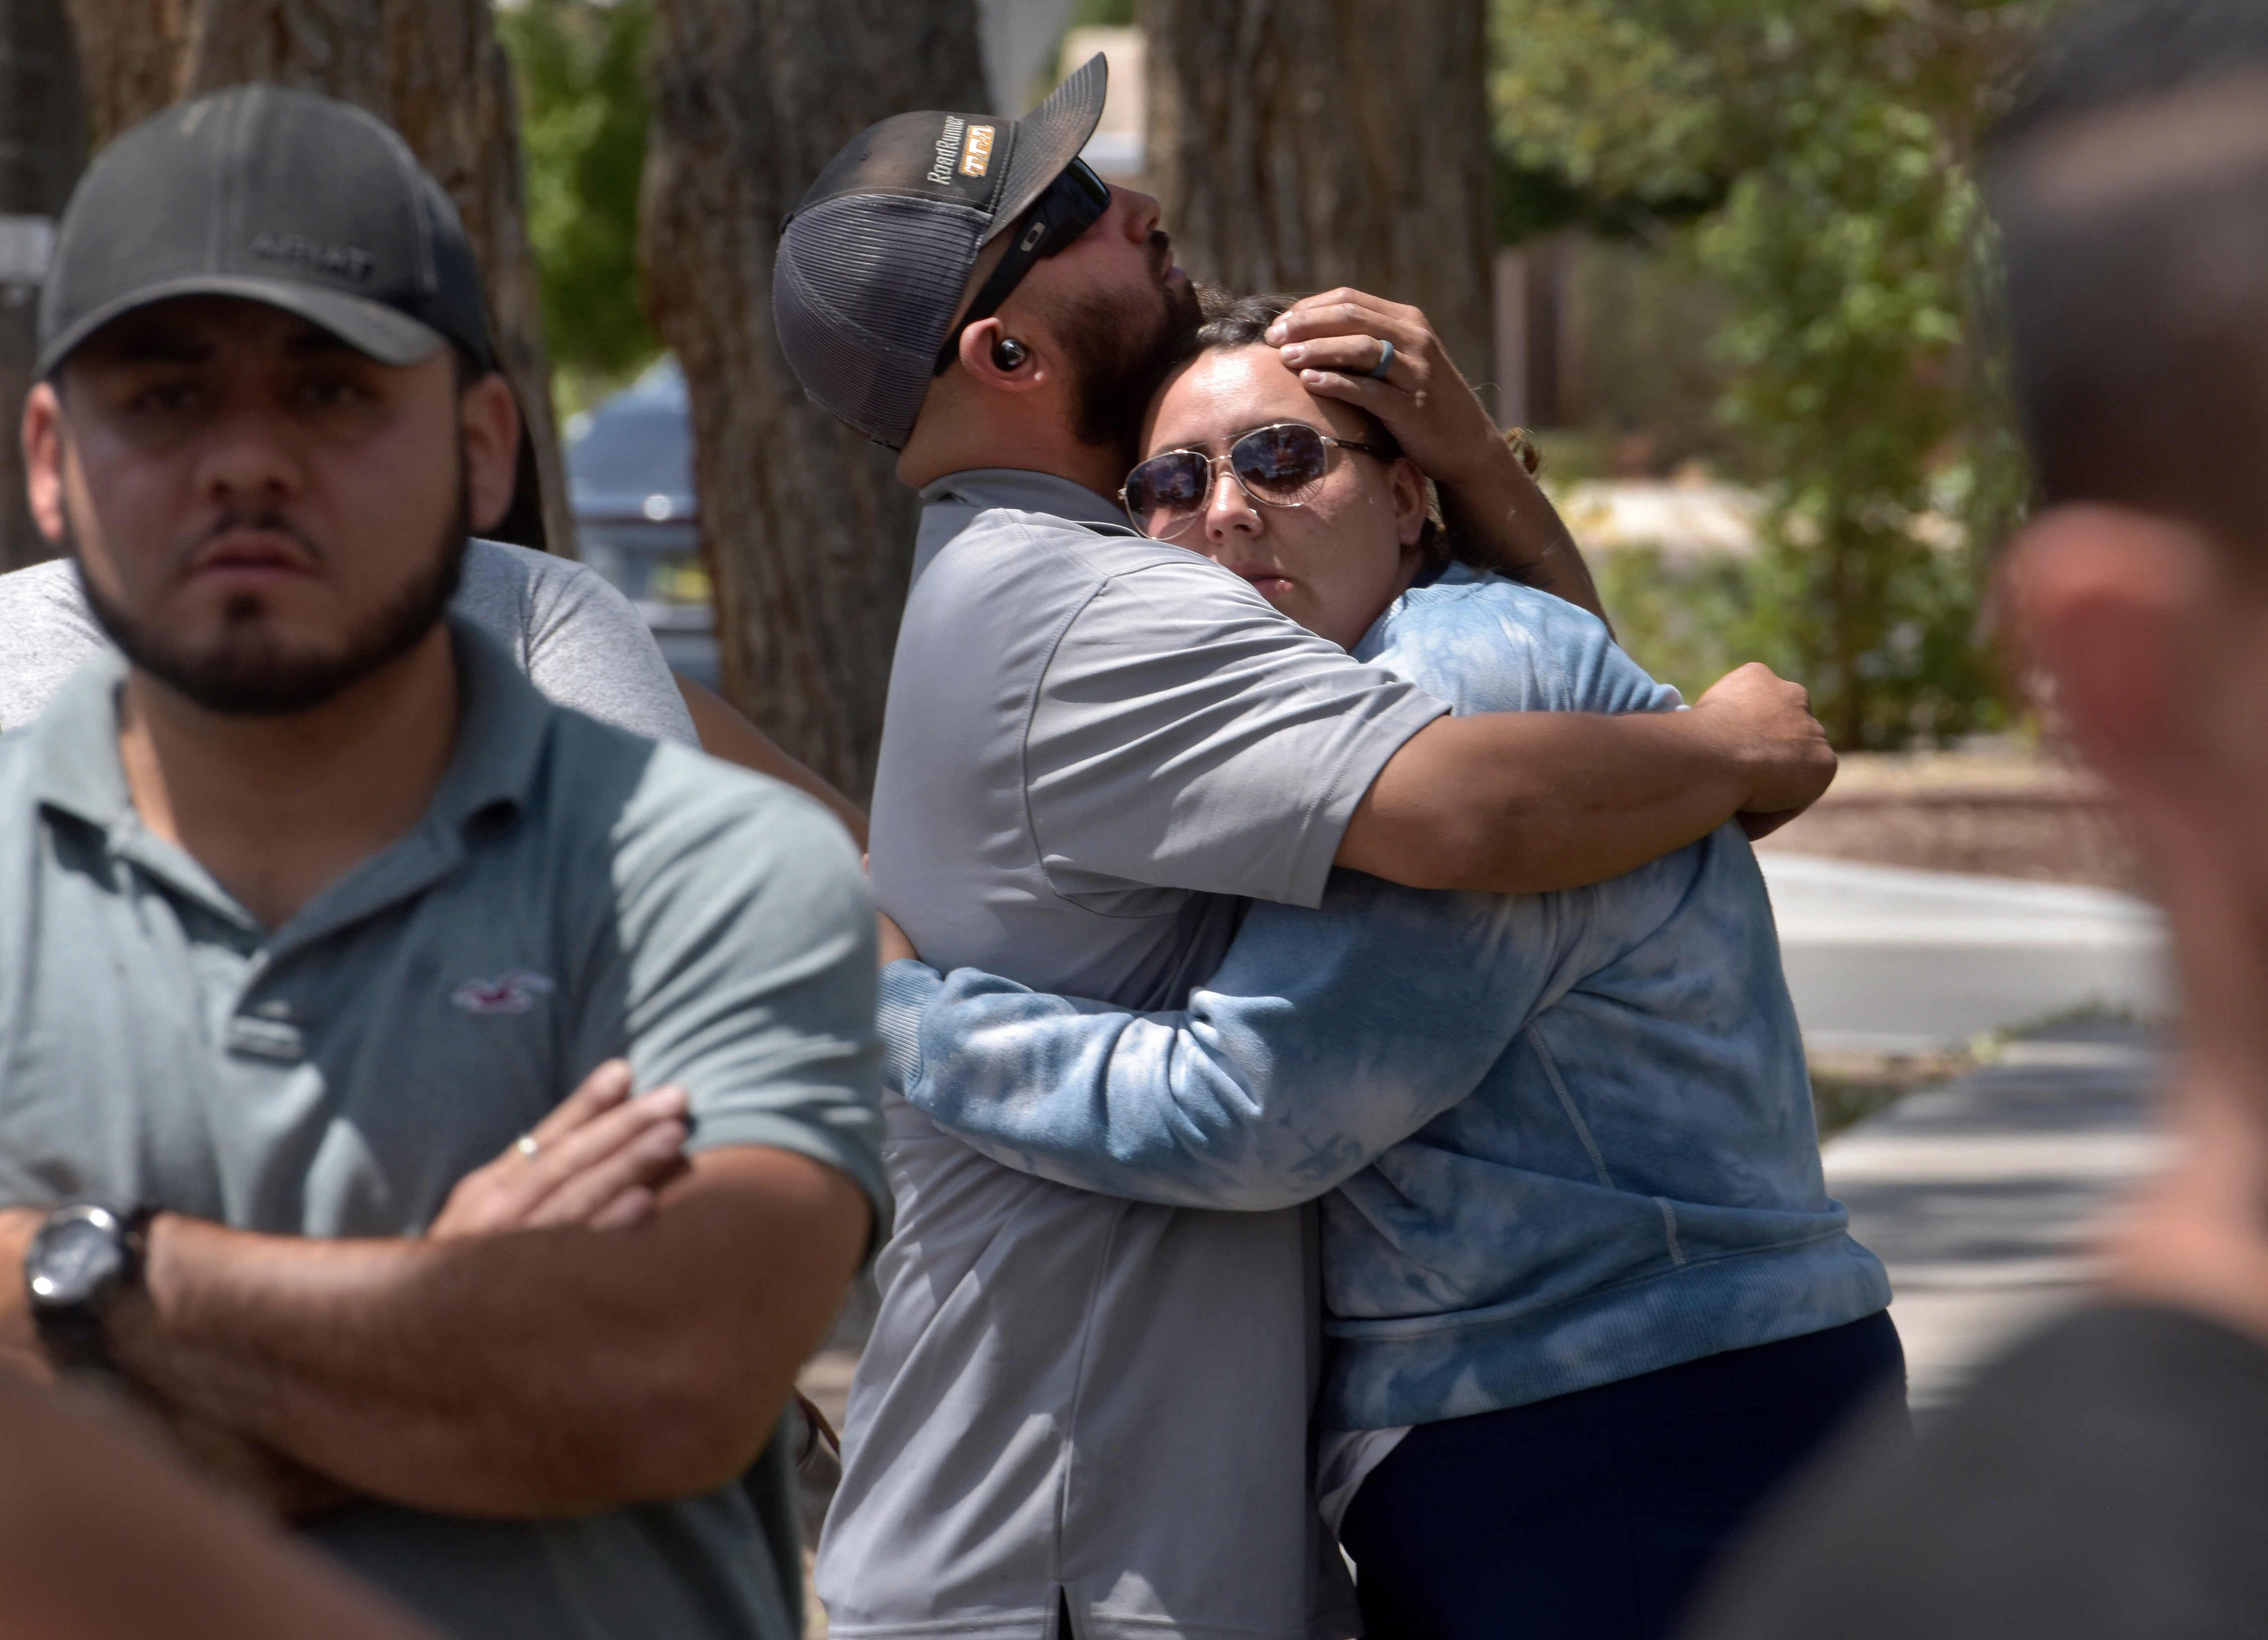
[
  {"x": 1985, "y": 1197},
  {"x": 1883, "y": 958}
]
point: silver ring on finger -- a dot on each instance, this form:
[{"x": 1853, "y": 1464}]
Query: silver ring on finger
[
  {"x": 528, "y": 1145},
  {"x": 1377, "y": 372}
]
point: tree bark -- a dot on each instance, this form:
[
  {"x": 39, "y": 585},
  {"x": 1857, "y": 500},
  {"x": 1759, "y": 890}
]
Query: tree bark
[
  {"x": 1298, "y": 144},
  {"x": 431, "y": 68},
  {"x": 42, "y": 146},
  {"x": 807, "y": 534}
]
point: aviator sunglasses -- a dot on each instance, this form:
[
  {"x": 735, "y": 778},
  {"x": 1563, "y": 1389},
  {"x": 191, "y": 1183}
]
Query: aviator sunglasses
[
  {"x": 1073, "y": 202},
  {"x": 1282, "y": 466}
]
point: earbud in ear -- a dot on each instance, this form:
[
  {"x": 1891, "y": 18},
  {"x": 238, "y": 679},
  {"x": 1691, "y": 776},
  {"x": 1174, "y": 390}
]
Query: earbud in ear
[{"x": 1009, "y": 354}]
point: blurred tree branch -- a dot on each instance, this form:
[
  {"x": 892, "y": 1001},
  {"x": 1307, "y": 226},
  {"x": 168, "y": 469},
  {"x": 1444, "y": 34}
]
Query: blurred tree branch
[
  {"x": 809, "y": 535},
  {"x": 1300, "y": 144},
  {"x": 42, "y": 145}
]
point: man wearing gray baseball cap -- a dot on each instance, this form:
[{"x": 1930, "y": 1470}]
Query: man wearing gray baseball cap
[
  {"x": 399, "y": 1067},
  {"x": 1070, "y": 1416}
]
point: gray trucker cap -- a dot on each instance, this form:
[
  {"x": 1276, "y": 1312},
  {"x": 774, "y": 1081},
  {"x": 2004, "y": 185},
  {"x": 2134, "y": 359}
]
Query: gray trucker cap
[
  {"x": 280, "y": 196},
  {"x": 872, "y": 264}
]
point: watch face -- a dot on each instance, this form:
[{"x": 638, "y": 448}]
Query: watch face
[{"x": 73, "y": 1259}]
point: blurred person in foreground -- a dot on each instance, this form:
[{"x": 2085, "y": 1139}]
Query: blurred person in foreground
[
  {"x": 1080, "y": 1414},
  {"x": 1586, "y": 1297},
  {"x": 2108, "y": 1477},
  {"x": 333, "y": 953},
  {"x": 106, "y": 1536}
]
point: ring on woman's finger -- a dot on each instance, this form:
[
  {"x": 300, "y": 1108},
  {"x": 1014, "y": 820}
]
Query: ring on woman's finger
[
  {"x": 528, "y": 1145},
  {"x": 1386, "y": 358}
]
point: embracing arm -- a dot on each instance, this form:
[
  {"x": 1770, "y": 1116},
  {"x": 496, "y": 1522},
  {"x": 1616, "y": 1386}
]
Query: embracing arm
[
  {"x": 546, "y": 1373},
  {"x": 1326, "y": 1037},
  {"x": 1529, "y": 802}
]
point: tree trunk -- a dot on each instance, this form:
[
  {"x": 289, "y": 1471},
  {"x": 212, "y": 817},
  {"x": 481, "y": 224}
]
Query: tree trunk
[
  {"x": 1298, "y": 144},
  {"x": 808, "y": 536},
  {"x": 42, "y": 145},
  {"x": 431, "y": 68}
]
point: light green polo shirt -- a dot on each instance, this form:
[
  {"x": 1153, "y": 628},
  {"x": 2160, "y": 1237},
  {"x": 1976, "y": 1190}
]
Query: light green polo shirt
[{"x": 573, "y": 892}]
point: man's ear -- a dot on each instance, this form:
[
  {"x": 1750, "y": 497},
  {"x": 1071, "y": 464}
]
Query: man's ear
[
  {"x": 976, "y": 344},
  {"x": 2104, "y": 604},
  {"x": 43, "y": 460},
  {"x": 489, "y": 418}
]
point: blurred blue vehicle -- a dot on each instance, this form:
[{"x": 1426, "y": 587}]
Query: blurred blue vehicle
[{"x": 630, "y": 479}]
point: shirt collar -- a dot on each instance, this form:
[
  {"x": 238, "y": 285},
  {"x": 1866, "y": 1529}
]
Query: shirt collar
[
  {"x": 499, "y": 749},
  {"x": 951, "y": 502}
]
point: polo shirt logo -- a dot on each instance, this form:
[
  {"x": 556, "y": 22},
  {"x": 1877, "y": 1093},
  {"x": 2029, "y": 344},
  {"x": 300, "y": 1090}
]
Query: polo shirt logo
[{"x": 512, "y": 992}]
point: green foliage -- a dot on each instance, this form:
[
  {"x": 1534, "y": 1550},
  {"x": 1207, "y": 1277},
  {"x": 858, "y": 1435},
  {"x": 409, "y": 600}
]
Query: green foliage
[
  {"x": 581, "y": 73},
  {"x": 1820, "y": 148},
  {"x": 1685, "y": 624}
]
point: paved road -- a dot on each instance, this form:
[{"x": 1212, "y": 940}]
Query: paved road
[
  {"x": 1889, "y": 960},
  {"x": 1985, "y": 1196}
]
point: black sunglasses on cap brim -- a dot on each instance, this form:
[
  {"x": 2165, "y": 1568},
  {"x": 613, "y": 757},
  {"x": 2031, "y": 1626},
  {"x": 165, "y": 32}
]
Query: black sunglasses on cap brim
[{"x": 1073, "y": 202}]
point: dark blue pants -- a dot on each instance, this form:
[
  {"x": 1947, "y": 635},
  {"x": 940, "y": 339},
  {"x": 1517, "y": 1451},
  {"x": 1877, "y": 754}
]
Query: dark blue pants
[{"x": 1592, "y": 1515}]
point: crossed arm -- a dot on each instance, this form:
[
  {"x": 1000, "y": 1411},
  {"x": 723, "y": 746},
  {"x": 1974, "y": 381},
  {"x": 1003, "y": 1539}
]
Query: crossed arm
[{"x": 558, "y": 1369}]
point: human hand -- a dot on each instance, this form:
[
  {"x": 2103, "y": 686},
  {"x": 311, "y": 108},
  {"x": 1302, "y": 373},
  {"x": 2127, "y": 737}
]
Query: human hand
[
  {"x": 598, "y": 1160},
  {"x": 1768, "y": 732},
  {"x": 1333, "y": 341},
  {"x": 891, "y": 941}
]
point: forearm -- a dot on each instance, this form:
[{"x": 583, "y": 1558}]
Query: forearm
[
  {"x": 536, "y": 1373},
  {"x": 1101, "y": 1099},
  {"x": 1500, "y": 513},
  {"x": 1531, "y": 802},
  {"x": 1326, "y": 1037},
  {"x": 19, "y": 1340}
]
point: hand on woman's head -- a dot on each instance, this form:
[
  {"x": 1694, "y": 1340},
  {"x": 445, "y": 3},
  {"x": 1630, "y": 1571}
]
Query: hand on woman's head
[{"x": 1335, "y": 340}]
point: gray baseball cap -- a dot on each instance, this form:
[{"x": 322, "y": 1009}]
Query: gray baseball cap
[
  {"x": 873, "y": 263},
  {"x": 280, "y": 196}
]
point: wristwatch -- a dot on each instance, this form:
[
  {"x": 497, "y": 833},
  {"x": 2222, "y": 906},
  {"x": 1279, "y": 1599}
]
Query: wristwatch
[{"x": 79, "y": 1263}]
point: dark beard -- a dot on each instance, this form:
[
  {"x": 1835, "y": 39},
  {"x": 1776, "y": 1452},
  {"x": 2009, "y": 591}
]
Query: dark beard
[
  {"x": 246, "y": 674},
  {"x": 1119, "y": 357}
]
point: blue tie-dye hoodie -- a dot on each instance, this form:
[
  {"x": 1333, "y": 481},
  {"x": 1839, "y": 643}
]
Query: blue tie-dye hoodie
[{"x": 1559, "y": 1139}]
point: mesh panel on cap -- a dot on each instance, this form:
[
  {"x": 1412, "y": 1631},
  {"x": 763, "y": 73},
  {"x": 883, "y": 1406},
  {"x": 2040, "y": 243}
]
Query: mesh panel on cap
[{"x": 863, "y": 292}]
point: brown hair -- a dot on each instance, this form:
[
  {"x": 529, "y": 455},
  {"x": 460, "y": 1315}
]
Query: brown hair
[{"x": 1232, "y": 322}]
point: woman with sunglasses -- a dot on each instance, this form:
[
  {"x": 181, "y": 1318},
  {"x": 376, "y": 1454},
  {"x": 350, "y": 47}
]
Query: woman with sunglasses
[{"x": 1587, "y": 1300}]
